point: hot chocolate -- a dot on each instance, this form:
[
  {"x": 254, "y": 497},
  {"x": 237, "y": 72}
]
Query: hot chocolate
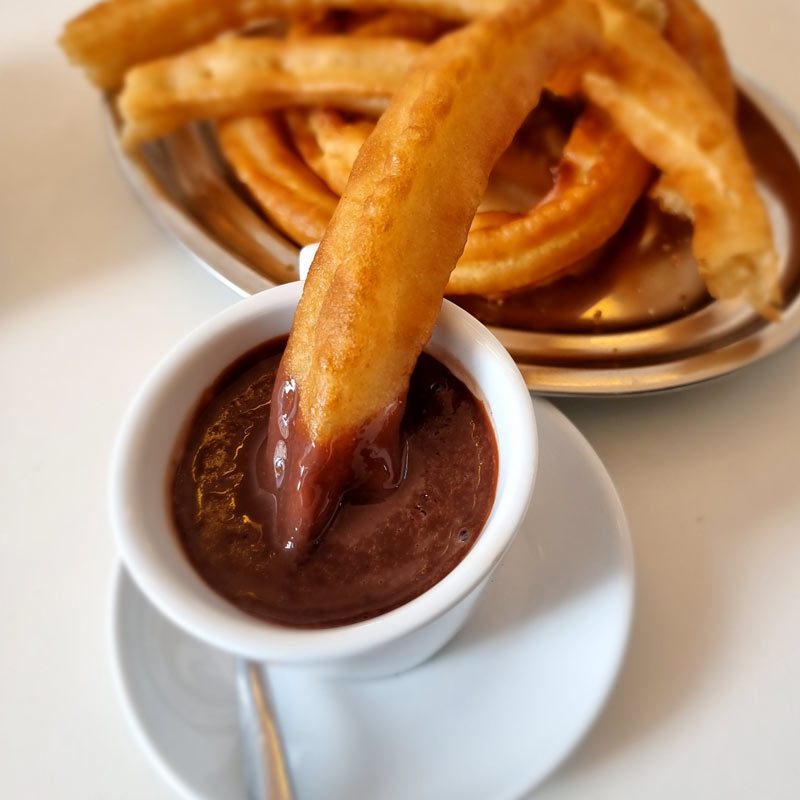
[{"x": 388, "y": 542}]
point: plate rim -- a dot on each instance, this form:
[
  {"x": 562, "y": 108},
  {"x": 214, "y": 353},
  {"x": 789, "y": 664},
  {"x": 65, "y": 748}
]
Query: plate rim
[
  {"x": 121, "y": 680},
  {"x": 603, "y": 378}
]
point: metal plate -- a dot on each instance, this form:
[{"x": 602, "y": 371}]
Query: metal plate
[{"x": 183, "y": 182}]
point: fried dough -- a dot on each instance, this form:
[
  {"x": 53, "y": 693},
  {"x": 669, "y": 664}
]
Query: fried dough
[
  {"x": 292, "y": 196},
  {"x": 248, "y": 75},
  {"x": 670, "y": 116},
  {"x": 113, "y": 36},
  {"x": 376, "y": 284}
]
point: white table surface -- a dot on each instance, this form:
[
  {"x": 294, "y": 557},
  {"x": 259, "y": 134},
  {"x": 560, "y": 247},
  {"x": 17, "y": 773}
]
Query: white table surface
[{"x": 93, "y": 293}]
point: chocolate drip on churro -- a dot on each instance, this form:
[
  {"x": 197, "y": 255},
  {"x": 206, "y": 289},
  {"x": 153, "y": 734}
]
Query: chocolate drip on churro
[{"x": 308, "y": 479}]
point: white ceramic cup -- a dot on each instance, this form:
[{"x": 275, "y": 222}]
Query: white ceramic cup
[{"x": 144, "y": 457}]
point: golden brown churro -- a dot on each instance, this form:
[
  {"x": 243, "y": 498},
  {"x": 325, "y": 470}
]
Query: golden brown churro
[{"x": 376, "y": 285}]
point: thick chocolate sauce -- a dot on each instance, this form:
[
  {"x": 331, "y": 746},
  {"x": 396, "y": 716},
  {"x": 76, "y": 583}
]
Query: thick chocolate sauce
[{"x": 390, "y": 539}]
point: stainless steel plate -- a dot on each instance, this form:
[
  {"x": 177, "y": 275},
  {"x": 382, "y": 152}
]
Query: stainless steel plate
[{"x": 183, "y": 182}]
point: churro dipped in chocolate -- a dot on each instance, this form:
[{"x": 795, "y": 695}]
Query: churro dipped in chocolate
[{"x": 376, "y": 285}]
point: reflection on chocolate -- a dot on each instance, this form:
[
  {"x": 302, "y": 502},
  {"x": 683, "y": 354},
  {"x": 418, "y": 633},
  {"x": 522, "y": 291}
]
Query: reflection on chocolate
[
  {"x": 389, "y": 540},
  {"x": 308, "y": 479}
]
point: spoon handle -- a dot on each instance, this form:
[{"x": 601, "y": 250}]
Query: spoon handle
[{"x": 266, "y": 772}]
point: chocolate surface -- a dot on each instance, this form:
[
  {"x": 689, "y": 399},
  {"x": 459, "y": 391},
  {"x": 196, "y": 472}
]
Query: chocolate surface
[{"x": 386, "y": 544}]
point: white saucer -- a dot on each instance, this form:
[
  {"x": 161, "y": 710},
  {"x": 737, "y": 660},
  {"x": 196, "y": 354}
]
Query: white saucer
[{"x": 489, "y": 717}]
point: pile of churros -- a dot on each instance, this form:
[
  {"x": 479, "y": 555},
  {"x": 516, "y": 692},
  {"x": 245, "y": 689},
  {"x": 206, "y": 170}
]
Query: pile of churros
[{"x": 298, "y": 91}]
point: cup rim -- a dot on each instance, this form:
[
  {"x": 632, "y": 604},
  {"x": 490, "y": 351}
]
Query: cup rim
[{"x": 206, "y": 615}]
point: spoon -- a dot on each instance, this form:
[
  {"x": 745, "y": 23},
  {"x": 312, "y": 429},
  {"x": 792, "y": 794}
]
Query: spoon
[{"x": 265, "y": 768}]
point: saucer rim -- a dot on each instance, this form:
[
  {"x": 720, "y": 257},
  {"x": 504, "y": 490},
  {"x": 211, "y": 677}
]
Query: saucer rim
[
  {"x": 544, "y": 408},
  {"x": 546, "y": 413}
]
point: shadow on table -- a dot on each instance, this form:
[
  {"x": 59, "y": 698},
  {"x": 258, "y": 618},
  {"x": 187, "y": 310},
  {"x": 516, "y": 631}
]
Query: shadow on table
[
  {"x": 700, "y": 508},
  {"x": 66, "y": 214}
]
